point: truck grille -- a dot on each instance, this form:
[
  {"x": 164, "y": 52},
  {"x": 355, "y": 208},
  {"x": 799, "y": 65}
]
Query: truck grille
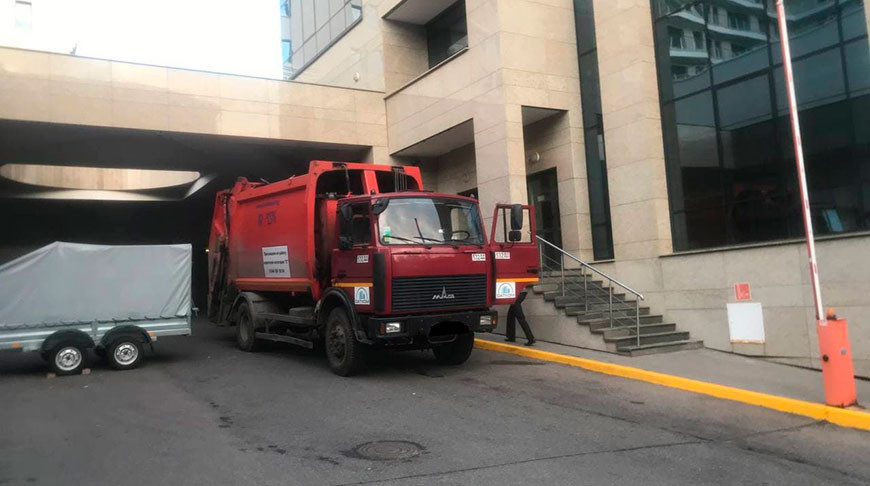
[{"x": 439, "y": 292}]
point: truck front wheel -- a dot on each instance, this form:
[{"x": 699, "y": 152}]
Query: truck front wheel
[
  {"x": 245, "y": 332},
  {"x": 343, "y": 351},
  {"x": 457, "y": 352}
]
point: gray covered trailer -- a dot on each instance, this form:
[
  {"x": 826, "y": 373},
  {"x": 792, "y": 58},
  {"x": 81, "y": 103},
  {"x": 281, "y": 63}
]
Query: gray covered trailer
[{"x": 67, "y": 298}]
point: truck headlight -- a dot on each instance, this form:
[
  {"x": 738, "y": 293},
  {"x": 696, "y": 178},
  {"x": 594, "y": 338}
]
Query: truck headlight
[
  {"x": 391, "y": 327},
  {"x": 486, "y": 320}
]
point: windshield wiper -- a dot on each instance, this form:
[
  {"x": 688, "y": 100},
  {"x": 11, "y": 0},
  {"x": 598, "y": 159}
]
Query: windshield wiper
[{"x": 422, "y": 238}]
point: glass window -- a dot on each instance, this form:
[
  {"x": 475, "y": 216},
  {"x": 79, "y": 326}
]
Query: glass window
[
  {"x": 593, "y": 123},
  {"x": 315, "y": 25},
  {"x": 285, "y": 8},
  {"x": 23, "y": 15},
  {"x": 728, "y": 144},
  {"x": 447, "y": 33},
  {"x": 429, "y": 221},
  {"x": 287, "y": 51}
]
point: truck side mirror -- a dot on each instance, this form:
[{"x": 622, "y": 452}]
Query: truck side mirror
[
  {"x": 516, "y": 218},
  {"x": 515, "y": 235}
]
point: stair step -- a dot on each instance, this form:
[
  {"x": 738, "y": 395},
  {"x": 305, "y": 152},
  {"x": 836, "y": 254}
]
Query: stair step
[
  {"x": 654, "y": 338},
  {"x": 604, "y": 322},
  {"x": 572, "y": 290},
  {"x": 657, "y": 348},
  {"x": 544, "y": 287},
  {"x": 572, "y": 273},
  {"x": 598, "y": 310},
  {"x": 561, "y": 301},
  {"x": 628, "y": 331}
]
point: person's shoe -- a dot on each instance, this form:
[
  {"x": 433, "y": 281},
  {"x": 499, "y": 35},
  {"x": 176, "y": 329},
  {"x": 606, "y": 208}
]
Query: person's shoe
[
  {"x": 509, "y": 340},
  {"x": 531, "y": 342}
]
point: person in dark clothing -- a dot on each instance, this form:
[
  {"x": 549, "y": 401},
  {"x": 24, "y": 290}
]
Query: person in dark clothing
[{"x": 515, "y": 312}]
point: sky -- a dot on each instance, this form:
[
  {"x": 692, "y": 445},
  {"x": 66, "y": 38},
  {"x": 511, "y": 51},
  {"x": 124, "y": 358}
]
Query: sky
[{"x": 226, "y": 36}]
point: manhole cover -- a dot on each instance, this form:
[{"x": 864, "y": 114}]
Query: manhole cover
[{"x": 387, "y": 450}]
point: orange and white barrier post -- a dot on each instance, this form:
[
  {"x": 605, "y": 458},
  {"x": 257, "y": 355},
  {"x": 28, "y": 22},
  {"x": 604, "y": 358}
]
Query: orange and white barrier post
[{"x": 837, "y": 368}]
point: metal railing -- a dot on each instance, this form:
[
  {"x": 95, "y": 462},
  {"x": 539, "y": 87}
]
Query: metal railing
[{"x": 548, "y": 264}]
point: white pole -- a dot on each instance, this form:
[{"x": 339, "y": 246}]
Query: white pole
[{"x": 799, "y": 159}]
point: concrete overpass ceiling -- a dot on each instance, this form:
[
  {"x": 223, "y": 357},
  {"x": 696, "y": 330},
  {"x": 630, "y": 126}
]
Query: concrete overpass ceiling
[{"x": 215, "y": 157}]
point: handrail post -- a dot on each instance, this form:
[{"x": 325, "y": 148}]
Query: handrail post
[
  {"x": 637, "y": 317},
  {"x": 610, "y": 288},
  {"x": 562, "y": 265},
  {"x": 585, "y": 290}
]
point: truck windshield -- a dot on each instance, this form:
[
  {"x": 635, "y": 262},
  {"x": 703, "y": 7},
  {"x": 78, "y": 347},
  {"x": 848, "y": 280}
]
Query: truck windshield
[{"x": 430, "y": 221}]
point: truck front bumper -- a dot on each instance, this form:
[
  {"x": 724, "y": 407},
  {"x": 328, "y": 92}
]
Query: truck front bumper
[{"x": 429, "y": 328}]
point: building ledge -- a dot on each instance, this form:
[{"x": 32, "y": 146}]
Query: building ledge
[
  {"x": 427, "y": 72},
  {"x": 767, "y": 244}
]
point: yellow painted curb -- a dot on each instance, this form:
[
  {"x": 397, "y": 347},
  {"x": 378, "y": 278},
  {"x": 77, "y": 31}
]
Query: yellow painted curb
[{"x": 817, "y": 411}]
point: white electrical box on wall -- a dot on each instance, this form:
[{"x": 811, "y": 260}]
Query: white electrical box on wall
[{"x": 746, "y": 322}]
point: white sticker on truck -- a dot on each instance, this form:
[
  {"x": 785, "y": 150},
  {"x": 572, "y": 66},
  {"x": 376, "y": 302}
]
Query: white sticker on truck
[
  {"x": 505, "y": 290},
  {"x": 362, "y": 258},
  {"x": 276, "y": 261},
  {"x": 478, "y": 257},
  {"x": 502, "y": 255},
  {"x": 361, "y": 296}
]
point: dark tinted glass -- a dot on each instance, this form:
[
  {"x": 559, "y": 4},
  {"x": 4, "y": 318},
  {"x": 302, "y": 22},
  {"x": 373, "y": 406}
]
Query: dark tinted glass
[
  {"x": 447, "y": 33},
  {"x": 728, "y": 143},
  {"x": 596, "y": 165}
]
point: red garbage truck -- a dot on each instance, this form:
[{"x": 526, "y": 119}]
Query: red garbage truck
[{"x": 356, "y": 257}]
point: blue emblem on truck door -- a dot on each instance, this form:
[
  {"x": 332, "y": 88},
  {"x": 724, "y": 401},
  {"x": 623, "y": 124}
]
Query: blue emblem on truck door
[{"x": 361, "y": 296}]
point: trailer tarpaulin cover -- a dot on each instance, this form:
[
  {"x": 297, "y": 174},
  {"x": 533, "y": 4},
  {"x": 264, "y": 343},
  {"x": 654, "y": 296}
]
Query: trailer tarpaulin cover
[{"x": 70, "y": 282}]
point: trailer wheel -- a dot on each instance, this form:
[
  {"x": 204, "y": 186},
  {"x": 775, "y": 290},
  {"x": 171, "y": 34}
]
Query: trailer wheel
[
  {"x": 457, "y": 352},
  {"x": 245, "y": 332},
  {"x": 67, "y": 358},
  {"x": 124, "y": 352},
  {"x": 344, "y": 353}
]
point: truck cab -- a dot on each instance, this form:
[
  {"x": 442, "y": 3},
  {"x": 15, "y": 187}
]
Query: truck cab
[{"x": 421, "y": 272}]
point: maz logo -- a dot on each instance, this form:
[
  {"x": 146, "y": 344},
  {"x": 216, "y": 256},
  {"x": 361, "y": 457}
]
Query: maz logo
[{"x": 443, "y": 295}]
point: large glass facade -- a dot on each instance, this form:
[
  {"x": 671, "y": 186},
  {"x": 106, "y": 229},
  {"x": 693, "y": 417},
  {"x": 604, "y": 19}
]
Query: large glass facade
[
  {"x": 730, "y": 158},
  {"x": 593, "y": 125},
  {"x": 309, "y": 27}
]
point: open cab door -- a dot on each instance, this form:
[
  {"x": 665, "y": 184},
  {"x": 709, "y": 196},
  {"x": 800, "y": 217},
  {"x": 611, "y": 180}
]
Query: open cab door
[{"x": 513, "y": 251}]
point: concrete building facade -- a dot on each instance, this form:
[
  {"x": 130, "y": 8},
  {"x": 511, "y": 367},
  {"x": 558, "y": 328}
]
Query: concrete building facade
[{"x": 651, "y": 136}]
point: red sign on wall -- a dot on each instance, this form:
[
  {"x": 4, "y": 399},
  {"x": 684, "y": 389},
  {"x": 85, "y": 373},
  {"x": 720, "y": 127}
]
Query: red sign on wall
[{"x": 741, "y": 292}]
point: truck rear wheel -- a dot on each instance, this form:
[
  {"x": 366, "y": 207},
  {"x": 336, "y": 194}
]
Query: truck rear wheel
[
  {"x": 343, "y": 351},
  {"x": 457, "y": 352},
  {"x": 245, "y": 331}
]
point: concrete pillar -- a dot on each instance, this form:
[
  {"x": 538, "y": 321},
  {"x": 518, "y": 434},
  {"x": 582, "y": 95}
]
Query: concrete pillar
[
  {"x": 500, "y": 155},
  {"x": 632, "y": 121}
]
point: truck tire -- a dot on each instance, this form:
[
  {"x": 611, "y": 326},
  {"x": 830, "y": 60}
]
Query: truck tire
[
  {"x": 245, "y": 331},
  {"x": 457, "y": 352},
  {"x": 124, "y": 352},
  {"x": 67, "y": 358},
  {"x": 344, "y": 353}
]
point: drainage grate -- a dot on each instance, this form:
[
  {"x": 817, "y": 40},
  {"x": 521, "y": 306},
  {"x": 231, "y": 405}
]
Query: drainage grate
[{"x": 387, "y": 450}]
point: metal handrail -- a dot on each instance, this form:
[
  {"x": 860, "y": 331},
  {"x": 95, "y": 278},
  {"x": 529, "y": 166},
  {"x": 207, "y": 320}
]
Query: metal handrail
[
  {"x": 586, "y": 295},
  {"x": 590, "y": 267}
]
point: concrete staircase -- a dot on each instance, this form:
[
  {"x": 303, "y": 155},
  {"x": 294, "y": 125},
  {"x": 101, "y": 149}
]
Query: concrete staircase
[{"x": 593, "y": 320}]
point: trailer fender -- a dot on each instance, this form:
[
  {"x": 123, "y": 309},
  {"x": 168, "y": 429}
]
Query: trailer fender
[
  {"x": 334, "y": 297},
  {"x": 74, "y": 336},
  {"x": 127, "y": 330}
]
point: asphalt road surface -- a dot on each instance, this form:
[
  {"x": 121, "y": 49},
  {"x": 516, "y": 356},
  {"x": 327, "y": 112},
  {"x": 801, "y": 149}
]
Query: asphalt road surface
[{"x": 200, "y": 411}]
